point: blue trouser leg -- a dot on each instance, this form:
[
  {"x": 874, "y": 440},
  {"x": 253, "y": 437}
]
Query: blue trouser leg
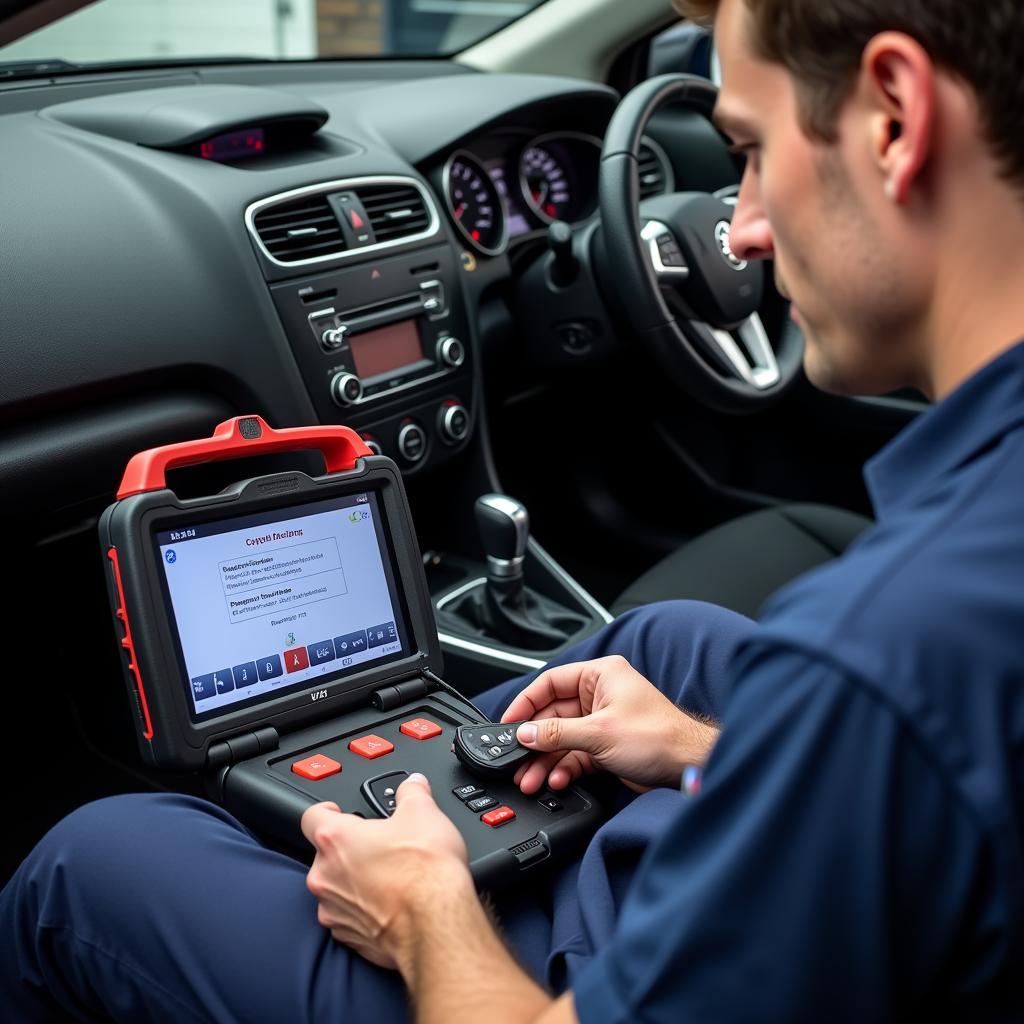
[{"x": 164, "y": 908}]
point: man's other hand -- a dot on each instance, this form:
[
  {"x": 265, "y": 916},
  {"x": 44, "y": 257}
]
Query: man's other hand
[
  {"x": 604, "y": 714},
  {"x": 371, "y": 877}
]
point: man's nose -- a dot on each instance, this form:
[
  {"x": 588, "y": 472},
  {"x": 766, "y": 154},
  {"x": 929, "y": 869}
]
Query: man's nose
[{"x": 750, "y": 236}]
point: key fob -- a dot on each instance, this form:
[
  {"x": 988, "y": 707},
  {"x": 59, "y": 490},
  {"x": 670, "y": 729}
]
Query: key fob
[{"x": 491, "y": 751}]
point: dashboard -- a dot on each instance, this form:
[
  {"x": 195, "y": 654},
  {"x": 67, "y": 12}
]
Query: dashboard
[{"x": 312, "y": 243}]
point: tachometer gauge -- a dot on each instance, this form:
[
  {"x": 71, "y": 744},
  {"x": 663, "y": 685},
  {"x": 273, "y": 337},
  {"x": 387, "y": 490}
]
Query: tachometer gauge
[
  {"x": 475, "y": 205},
  {"x": 545, "y": 185}
]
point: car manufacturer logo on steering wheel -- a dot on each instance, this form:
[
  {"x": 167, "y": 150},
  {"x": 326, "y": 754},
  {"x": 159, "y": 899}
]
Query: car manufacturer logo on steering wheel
[{"x": 722, "y": 229}]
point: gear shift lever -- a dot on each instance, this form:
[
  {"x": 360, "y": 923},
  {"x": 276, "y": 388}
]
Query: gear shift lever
[
  {"x": 504, "y": 526},
  {"x": 505, "y": 609}
]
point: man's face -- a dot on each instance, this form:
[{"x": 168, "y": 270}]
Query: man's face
[{"x": 819, "y": 210}]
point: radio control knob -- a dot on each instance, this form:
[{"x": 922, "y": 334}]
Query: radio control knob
[
  {"x": 451, "y": 351},
  {"x": 333, "y": 338},
  {"x": 453, "y": 422},
  {"x": 346, "y": 389},
  {"x": 412, "y": 442}
]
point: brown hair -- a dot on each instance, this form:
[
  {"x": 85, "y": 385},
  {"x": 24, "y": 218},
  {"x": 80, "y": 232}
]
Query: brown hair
[{"x": 820, "y": 42}]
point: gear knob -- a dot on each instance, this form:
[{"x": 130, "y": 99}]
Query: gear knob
[{"x": 504, "y": 527}]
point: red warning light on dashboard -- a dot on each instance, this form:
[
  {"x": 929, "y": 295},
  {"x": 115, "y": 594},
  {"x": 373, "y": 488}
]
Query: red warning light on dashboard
[
  {"x": 357, "y": 222},
  {"x": 296, "y": 659},
  {"x": 233, "y": 145}
]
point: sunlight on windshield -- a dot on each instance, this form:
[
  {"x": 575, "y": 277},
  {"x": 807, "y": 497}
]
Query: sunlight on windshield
[{"x": 129, "y": 30}]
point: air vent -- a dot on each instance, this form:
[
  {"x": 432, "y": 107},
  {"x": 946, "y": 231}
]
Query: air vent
[
  {"x": 655, "y": 171},
  {"x": 300, "y": 230},
  {"x": 395, "y": 211}
]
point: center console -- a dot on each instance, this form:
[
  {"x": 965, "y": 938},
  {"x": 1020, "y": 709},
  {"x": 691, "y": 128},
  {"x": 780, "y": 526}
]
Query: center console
[{"x": 368, "y": 291}]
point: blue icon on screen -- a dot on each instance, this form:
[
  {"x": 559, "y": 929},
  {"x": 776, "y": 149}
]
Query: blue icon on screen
[
  {"x": 269, "y": 667},
  {"x": 244, "y": 674},
  {"x": 170, "y": 556}
]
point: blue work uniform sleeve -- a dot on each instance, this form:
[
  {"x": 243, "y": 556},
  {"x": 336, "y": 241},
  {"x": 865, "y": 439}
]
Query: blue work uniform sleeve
[{"x": 827, "y": 871}]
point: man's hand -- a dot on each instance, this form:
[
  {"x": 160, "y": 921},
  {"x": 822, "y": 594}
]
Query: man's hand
[
  {"x": 604, "y": 714},
  {"x": 372, "y": 878}
]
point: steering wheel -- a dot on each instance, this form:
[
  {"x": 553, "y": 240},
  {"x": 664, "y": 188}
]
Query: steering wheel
[{"x": 681, "y": 288}]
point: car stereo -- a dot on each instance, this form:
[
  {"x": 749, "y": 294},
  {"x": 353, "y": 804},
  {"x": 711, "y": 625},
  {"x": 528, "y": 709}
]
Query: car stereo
[{"x": 278, "y": 639}]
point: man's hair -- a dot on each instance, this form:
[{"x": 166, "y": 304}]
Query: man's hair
[{"x": 820, "y": 42}]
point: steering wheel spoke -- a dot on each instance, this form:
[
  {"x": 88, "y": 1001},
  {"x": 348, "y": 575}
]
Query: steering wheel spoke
[{"x": 746, "y": 351}]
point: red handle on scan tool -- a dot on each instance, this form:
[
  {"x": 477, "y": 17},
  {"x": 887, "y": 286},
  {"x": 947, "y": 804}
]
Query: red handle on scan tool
[{"x": 238, "y": 438}]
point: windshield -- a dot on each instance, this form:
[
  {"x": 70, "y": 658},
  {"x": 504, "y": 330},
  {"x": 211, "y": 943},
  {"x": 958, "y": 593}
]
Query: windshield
[{"x": 128, "y": 31}]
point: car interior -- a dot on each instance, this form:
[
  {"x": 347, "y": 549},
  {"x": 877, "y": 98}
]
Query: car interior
[{"x": 504, "y": 264}]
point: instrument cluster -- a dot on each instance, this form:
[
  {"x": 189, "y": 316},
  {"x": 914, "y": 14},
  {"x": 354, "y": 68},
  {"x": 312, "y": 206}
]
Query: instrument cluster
[{"x": 512, "y": 185}]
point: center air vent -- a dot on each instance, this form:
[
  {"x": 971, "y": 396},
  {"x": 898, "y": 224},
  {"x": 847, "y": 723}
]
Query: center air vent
[
  {"x": 394, "y": 211},
  {"x": 302, "y": 227},
  {"x": 300, "y": 230},
  {"x": 655, "y": 170}
]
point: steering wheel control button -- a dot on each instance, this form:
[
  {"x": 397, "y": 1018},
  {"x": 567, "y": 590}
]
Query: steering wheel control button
[
  {"x": 420, "y": 729},
  {"x": 317, "y": 767},
  {"x": 451, "y": 352},
  {"x": 412, "y": 442},
  {"x": 549, "y": 803},
  {"x": 499, "y": 816},
  {"x": 379, "y": 792},
  {"x": 468, "y": 792},
  {"x": 453, "y": 422},
  {"x": 371, "y": 746},
  {"x": 346, "y": 389},
  {"x": 481, "y": 803}
]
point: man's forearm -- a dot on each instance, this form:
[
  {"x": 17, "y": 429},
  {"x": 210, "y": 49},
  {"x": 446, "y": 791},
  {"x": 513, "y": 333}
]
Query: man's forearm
[{"x": 455, "y": 964}]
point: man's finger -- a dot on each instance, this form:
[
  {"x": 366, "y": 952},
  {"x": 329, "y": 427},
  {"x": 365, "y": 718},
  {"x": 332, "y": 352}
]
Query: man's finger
[
  {"x": 557, "y": 683},
  {"x": 415, "y": 787},
  {"x": 316, "y": 817},
  {"x": 562, "y": 734}
]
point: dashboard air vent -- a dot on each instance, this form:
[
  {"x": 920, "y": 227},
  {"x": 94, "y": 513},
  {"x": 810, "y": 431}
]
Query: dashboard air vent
[
  {"x": 300, "y": 230},
  {"x": 655, "y": 174},
  {"x": 395, "y": 211}
]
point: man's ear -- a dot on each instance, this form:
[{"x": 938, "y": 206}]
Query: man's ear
[{"x": 898, "y": 83}]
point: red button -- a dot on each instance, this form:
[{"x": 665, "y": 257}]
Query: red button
[
  {"x": 319, "y": 766},
  {"x": 357, "y": 221},
  {"x": 498, "y": 816},
  {"x": 296, "y": 660},
  {"x": 371, "y": 746},
  {"x": 420, "y": 729}
]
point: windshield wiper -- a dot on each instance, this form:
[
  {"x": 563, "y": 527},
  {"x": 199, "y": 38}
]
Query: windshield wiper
[{"x": 35, "y": 68}]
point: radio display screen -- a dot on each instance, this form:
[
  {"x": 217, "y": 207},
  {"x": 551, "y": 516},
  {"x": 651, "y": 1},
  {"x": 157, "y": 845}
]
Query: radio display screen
[
  {"x": 280, "y": 601},
  {"x": 386, "y": 349}
]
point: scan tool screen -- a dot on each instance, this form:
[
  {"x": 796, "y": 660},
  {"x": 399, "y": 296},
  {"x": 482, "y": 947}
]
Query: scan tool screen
[{"x": 281, "y": 601}]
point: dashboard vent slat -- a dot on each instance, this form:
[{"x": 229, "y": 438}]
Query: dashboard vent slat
[
  {"x": 394, "y": 211},
  {"x": 655, "y": 176},
  {"x": 300, "y": 229}
]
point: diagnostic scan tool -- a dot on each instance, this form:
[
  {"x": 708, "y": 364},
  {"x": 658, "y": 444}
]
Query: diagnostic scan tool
[{"x": 278, "y": 639}]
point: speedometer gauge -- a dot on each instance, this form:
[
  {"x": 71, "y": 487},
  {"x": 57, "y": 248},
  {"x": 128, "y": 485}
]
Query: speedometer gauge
[
  {"x": 475, "y": 205},
  {"x": 545, "y": 185}
]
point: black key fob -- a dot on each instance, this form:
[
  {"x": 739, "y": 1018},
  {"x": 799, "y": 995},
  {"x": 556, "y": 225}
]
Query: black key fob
[{"x": 491, "y": 751}]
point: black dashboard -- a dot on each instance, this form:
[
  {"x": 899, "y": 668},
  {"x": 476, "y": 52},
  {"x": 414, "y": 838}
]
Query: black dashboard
[
  {"x": 152, "y": 279},
  {"x": 182, "y": 246}
]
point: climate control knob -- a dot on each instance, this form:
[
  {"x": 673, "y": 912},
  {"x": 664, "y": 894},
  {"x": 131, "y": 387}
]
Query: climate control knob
[
  {"x": 453, "y": 422},
  {"x": 450, "y": 352},
  {"x": 346, "y": 389}
]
